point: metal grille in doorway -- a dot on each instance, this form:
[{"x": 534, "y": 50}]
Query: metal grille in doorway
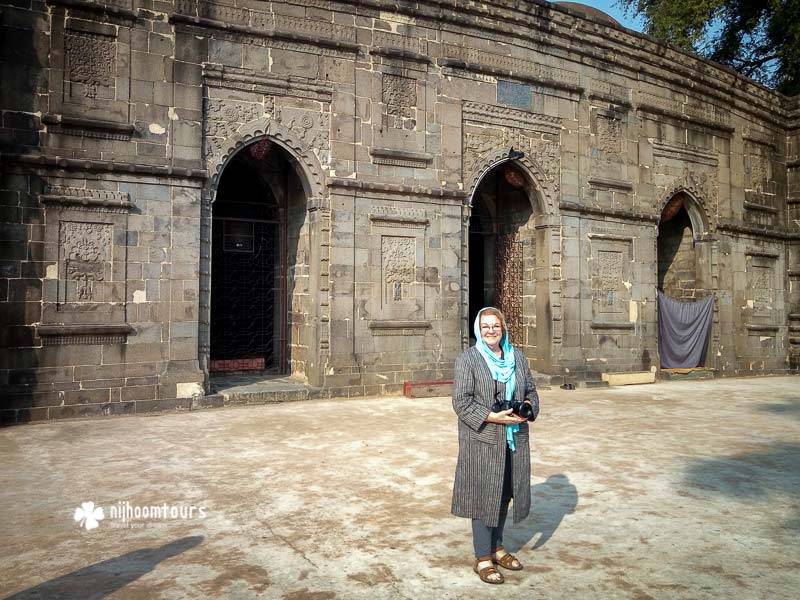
[{"x": 243, "y": 294}]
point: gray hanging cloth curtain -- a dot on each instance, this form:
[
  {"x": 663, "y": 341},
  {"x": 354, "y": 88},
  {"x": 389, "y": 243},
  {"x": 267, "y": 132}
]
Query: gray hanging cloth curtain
[{"x": 683, "y": 331}]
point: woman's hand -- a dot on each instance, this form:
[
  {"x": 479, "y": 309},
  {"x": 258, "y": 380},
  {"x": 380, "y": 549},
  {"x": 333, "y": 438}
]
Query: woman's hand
[{"x": 504, "y": 417}]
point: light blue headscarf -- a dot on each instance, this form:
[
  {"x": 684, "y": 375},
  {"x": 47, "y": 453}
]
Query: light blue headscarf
[{"x": 502, "y": 369}]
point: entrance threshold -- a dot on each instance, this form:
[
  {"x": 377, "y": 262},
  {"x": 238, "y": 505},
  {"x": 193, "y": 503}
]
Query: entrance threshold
[
  {"x": 261, "y": 388},
  {"x": 688, "y": 373}
]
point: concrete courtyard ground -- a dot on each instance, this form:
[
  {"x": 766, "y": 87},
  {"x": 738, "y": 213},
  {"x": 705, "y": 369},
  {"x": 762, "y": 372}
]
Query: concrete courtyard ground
[{"x": 672, "y": 490}]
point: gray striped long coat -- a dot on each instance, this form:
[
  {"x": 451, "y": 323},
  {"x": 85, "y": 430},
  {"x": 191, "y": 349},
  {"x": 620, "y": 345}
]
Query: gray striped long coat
[{"x": 478, "y": 483}]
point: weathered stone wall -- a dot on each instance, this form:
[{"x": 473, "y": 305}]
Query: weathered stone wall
[
  {"x": 677, "y": 260},
  {"x": 119, "y": 117}
]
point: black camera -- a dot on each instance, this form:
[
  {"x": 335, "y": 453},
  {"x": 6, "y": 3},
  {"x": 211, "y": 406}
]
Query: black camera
[{"x": 522, "y": 409}]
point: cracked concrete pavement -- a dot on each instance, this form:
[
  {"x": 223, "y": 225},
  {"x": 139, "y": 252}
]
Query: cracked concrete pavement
[{"x": 673, "y": 490}]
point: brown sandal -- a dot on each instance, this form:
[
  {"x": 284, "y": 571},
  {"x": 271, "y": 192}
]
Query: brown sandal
[
  {"x": 486, "y": 572},
  {"x": 507, "y": 561}
]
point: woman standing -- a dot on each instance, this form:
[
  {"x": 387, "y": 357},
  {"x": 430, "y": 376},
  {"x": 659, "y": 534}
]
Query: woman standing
[{"x": 494, "y": 461}]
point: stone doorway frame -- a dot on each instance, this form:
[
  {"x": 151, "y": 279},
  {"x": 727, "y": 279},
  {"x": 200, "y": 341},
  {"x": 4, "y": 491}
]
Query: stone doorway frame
[
  {"x": 311, "y": 176},
  {"x": 705, "y": 256},
  {"x": 540, "y": 192}
]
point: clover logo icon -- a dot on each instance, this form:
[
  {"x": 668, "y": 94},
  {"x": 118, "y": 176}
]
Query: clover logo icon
[{"x": 88, "y": 515}]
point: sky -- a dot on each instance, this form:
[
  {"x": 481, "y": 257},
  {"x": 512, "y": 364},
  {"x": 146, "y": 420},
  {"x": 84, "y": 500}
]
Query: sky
[{"x": 610, "y": 7}]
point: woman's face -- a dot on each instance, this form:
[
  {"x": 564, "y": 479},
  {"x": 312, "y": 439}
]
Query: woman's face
[{"x": 491, "y": 330}]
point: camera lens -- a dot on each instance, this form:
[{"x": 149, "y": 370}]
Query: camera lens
[{"x": 525, "y": 411}]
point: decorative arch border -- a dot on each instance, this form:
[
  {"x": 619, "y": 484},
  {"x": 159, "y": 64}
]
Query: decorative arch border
[
  {"x": 313, "y": 180},
  {"x": 310, "y": 170},
  {"x": 696, "y": 208},
  {"x": 543, "y": 202},
  {"x": 542, "y": 196}
]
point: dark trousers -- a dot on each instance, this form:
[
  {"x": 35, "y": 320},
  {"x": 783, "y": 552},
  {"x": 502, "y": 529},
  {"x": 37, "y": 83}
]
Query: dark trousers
[{"x": 484, "y": 538}]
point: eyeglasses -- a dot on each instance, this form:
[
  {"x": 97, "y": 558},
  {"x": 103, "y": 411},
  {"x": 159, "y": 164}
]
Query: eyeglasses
[{"x": 491, "y": 327}]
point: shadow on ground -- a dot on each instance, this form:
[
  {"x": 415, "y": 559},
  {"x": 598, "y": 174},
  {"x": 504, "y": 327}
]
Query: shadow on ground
[
  {"x": 790, "y": 409},
  {"x": 751, "y": 476},
  {"x": 551, "y": 501},
  {"x": 103, "y": 578}
]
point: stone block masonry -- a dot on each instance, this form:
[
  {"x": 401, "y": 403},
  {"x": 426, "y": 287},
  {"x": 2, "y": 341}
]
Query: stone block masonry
[{"x": 392, "y": 167}]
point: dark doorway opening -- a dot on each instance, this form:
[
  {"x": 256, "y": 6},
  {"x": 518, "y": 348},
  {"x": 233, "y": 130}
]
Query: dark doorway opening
[
  {"x": 498, "y": 236},
  {"x": 248, "y": 262},
  {"x": 677, "y": 259}
]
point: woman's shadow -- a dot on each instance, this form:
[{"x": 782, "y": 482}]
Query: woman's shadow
[
  {"x": 551, "y": 501},
  {"x": 104, "y": 578}
]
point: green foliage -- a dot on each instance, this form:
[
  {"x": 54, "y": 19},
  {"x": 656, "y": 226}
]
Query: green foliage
[{"x": 758, "y": 38}]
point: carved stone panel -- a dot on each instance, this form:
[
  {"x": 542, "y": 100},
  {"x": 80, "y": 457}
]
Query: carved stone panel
[
  {"x": 509, "y": 276},
  {"x": 86, "y": 260},
  {"x": 90, "y": 65},
  {"x": 610, "y": 270},
  {"x": 222, "y": 119},
  {"x": 399, "y": 94},
  {"x": 399, "y": 263},
  {"x": 311, "y": 128},
  {"x": 609, "y": 137},
  {"x": 608, "y": 280},
  {"x": 90, "y": 69},
  {"x": 86, "y": 251},
  {"x": 539, "y": 147},
  {"x": 759, "y": 185},
  {"x": 760, "y": 285}
]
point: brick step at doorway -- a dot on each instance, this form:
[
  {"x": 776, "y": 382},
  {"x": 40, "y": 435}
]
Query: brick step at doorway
[
  {"x": 261, "y": 389},
  {"x": 693, "y": 373}
]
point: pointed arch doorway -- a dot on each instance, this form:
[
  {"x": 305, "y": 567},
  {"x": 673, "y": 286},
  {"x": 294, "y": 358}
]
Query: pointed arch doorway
[
  {"x": 257, "y": 255},
  {"x": 503, "y": 248},
  {"x": 685, "y": 299}
]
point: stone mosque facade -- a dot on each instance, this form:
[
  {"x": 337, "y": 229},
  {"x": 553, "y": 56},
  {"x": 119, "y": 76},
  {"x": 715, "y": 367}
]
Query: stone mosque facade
[{"x": 329, "y": 190}]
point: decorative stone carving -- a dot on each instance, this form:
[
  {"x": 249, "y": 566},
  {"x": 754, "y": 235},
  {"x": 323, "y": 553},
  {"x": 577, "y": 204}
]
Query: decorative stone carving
[
  {"x": 609, "y": 92},
  {"x": 265, "y": 21},
  {"x": 509, "y": 283},
  {"x": 399, "y": 262},
  {"x": 85, "y": 199},
  {"x": 708, "y": 112},
  {"x": 609, "y": 137},
  {"x": 222, "y": 120},
  {"x": 394, "y": 40},
  {"x": 508, "y": 63},
  {"x": 400, "y": 98},
  {"x": 310, "y": 128},
  {"x": 702, "y": 186},
  {"x": 224, "y": 117},
  {"x": 610, "y": 270},
  {"x": 612, "y": 254},
  {"x": 683, "y": 153},
  {"x": 761, "y": 284},
  {"x": 91, "y": 60},
  {"x": 757, "y": 166},
  {"x": 493, "y": 114},
  {"x": 646, "y": 100},
  {"x": 86, "y": 252},
  {"x": 542, "y": 151},
  {"x": 247, "y": 80},
  {"x": 395, "y": 217}
]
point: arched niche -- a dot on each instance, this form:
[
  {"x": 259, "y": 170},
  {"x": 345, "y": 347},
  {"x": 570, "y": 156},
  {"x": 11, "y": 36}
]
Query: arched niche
[
  {"x": 271, "y": 211},
  {"x": 508, "y": 255}
]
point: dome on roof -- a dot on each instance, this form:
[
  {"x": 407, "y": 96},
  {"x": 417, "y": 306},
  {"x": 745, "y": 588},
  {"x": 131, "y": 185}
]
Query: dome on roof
[{"x": 589, "y": 11}]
